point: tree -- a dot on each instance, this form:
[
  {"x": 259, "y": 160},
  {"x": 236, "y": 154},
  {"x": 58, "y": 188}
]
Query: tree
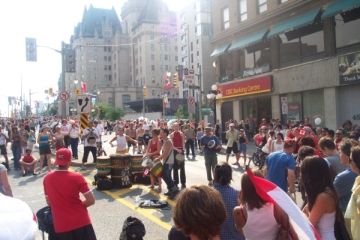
[
  {"x": 103, "y": 109},
  {"x": 52, "y": 111},
  {"x": 113, "y": 114},
  {"x": 182, "y": 112}
]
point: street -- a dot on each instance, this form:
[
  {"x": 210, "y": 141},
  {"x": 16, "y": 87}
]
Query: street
[{"x": 113, "y": 207}]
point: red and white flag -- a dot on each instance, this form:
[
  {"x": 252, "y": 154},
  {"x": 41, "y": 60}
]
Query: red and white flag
[
  {"x": 168, "y": 85},
  {"x": 269, "y": 192},
  {"x": 83, "y": 87}
]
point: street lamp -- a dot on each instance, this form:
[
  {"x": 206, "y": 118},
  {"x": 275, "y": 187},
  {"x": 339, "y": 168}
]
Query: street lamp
[
  {"x": 76, "y": 81},
  {"x": 214, "y": 94}
]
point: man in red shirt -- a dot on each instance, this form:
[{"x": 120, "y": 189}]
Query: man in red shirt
[
  {"x": 28, "y": 163},
  {"x": 307, "y": 123},
  {"x": 71, "y": 218},
  {"x": 263, "y": 123}
]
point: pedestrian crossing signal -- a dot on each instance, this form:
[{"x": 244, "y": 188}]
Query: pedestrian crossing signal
[
  {"x": 176, "y": 80},
  {"x": 144, "y": 92},
  {"x": 77, "y": 92}
]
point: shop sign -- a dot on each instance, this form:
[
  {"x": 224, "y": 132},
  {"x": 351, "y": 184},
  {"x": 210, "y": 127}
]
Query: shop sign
[
  {"x": 248, "y": 87},
  {"x": 226, "y": 78},
  {"x": 294, "y": 111},
  {"x": 254, "y": 71},
  {"x": 349, "y": 69}
]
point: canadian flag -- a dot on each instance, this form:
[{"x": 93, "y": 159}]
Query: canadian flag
[
  {"x": 83, "y": 87},
  {"x": 269, "y": 192},
  {"x": 168, "y": 85}
]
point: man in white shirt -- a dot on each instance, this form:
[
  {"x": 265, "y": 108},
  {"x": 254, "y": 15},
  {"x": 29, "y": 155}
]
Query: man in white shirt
[
  {"x": 98, "y": 139},
  {"x": 3, "y": 137},
  {"x": 89, "y": 135}
]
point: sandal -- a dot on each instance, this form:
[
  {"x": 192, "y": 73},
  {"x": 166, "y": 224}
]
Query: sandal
[
  {"x": 24, "y": 174},
  {"x": 152, "y": 187},
  {"x": 235, "y": 163},
  {"x": 158, "y": 189}
]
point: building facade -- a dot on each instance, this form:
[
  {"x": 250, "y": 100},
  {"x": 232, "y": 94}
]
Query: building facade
[
  {"x": 288, "y": 59},
  {"x": 195, "y": 30}
]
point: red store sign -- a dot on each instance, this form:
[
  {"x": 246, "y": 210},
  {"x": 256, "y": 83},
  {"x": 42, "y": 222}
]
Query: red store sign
[{"x": 248, "y": 87}]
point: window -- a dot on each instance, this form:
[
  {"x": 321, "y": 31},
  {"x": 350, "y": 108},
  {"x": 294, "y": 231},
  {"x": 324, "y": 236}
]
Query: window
[
  {"x": 153, "y": 92},
  {"x": 282, "y": 1},
  {"x": 95, "y": 48},
  {"x": 166, "y": 57},
  {"x": 176, "y": 48},
  {"x": 192, "y": 58},
  {"x": 95, "y": 67},
  {"x": 96, "y": 76},
  {"x": 82, "y": 76},
  {"x": 114, "y": 66},
  {"x": 165, "y": 47},
  {"x": 257, "y": 59},
  {"x": 95, "y": 57},
  {"x": 152, "y": 25},
  {"x": 109, "y": 58},
  {"x": 197, "y": 55},
  {"x": 105, "y": 77},
  {"x": 161, "y": 57},
  {"x": 109, "y": 49},
  {"x": 105, "y": 49},
  {"x": 114, "y": 76},
  {"x": 152, "y": 79},
  {"x": 81, "y": 48},
  {"x": 105, "y": 67},
  {"x": 262, "y": 4},
  {"x": 152, "y": 57},
  {"x": 82, "y": 67},
  {"x": 347, "y": 33},
  {"x": 191, "y": 46},
  {"x": 153, "y": 67},
  {"x": 176, "y": 58},
  {"x": 109, "y": 67},
  {"x": 126, "y": 98},
  {"x": 242, "y": 10},
  {"x": 95, "y": 39},
  {"x": 140, "y": 69},
  {"x": 184, "y": 61},
  {"x": 152, "y": 47},
  {"x": 161, "y": 46},
  {"x": 110, "y": 77},
  {"x": 82, "y": 58},
  {"x": 110, "y": 102},
  {"x": 105, "y": 58},
  {"x": 183, "y": 39},
  {"x": 184, "y": 50},
  {"x": 197, "y": 43},
  {"x": 226, "y": 18},
  {"x": 114, "y": 56},
  {"x": 151, "y": 36},
  {"x": 166, "y": 68},
  {"x": 162, "y": 68}
]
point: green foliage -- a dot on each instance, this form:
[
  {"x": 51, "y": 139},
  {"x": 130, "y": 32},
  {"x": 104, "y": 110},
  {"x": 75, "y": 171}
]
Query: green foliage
[
  {"x": 52, "y": 111},
  {"x": 113, "y": 114},
  {"x": 182, "y": 112},
  {"x": 104, "y": 108}
]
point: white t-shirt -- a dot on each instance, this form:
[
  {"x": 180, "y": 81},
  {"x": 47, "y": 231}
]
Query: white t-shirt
[
  {"x": 86, "y": 131},
  {"x": 2, "y": 138},
  {"x": 99, "y": 130}
]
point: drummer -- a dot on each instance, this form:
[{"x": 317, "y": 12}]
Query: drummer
[
  {"x": 153, "y": 151},
  {"x": 121, "y": 140}
]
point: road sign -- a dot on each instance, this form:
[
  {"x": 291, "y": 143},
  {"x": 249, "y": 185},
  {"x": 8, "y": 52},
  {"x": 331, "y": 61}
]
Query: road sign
[
  {"x": 284, "y": 108},
  {"x": 83, "y": 104},
  {"x": 191, "y": 100},
  {"x": 189, "y": 76},
  {"x": 283, "y": 99},
  {"x": 64, "y": 96}
]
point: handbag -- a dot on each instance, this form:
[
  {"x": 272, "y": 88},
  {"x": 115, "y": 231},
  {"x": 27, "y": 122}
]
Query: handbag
[
  {"x": 284, "y": 233},
  {"x": 32, "y": 138},
  {"x": 91, "y": 138},
  {"x": 265, "y": 148}
]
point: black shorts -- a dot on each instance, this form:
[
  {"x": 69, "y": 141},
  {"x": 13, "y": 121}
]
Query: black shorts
[
  {"x": 141, "y": 140},
  {"x": 233, "y": 149},
  {"x": 86, "y": 232},
  {"x": 3, "y": 150},
  {"x": 44, "y": 150},
  {"x": 130, "y": 143}
]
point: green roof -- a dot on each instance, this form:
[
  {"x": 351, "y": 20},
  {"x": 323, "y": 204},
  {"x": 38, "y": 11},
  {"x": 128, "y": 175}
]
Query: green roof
[
  {"x": 220, "y": 50},
  {"x": 340, "y": 7},
  {"x": 248, "y": 40},
  {"x": 294, "y": 23}
]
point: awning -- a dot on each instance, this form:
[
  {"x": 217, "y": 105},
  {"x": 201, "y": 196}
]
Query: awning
[
  {"x": 294, "y": 23},
  {"x": 220, "y": 50},
  {"x": 340, "y": 7},
  {"x": 248, "y": 40}
]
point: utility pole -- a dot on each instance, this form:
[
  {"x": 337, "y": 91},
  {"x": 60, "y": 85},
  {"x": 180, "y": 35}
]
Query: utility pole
[
  {"x": 21, "y": 95},
  {"x": 63, "y": 103},
  {"x": 200, "y": 95}
]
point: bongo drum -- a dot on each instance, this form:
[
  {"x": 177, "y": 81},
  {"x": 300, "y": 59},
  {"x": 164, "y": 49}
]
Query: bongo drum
[
  {"x": 157, "y": 169},
  {"x": 180, "y": 158},
  {"x": 103, "y": 166},
  {"x": 136, "y": 161},
  {"x": 147, "y": 162},
  {"x": 212, "y": 145},
  {"x": 120, "y": 170}
]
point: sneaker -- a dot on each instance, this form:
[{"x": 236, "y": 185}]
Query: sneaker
[
  {"x": 168, "y": 193},
  {"x": 24, "y": 174},
  {"x": 82, "y": 168},
  {"x": 173, "y": 194},
  {"x": 210, "y": 183},
  {"x": 193, "y": 156},
  {"x": 183, "y": 185}
]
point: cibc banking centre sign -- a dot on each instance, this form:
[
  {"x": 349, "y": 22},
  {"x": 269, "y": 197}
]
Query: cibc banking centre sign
[{"x": 248, "y": 87}]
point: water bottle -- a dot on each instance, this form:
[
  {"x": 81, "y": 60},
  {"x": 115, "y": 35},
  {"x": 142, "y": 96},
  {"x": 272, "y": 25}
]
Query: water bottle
[{"x": 137, "y": 201}]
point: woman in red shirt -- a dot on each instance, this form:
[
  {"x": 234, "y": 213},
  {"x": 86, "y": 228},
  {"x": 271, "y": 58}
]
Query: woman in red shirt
[{"x": 153, "y": 151}]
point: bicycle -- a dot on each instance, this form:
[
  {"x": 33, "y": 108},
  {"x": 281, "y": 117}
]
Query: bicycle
[
  {"x": 258, "y": 158},
  {"x": 101, "y": 149}
]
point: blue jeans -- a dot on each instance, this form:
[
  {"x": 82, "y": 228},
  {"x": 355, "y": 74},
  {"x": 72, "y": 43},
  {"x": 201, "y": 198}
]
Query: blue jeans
[
  {"x": 74, "y": 142},
  {"x": 166, "y": 175},
  {"x": 17, "y": 155}
]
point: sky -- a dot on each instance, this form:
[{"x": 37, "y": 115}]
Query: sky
[{"x": 50, "y": 22}]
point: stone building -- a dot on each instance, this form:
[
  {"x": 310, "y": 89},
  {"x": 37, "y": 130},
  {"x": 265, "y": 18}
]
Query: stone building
[{"x": 288, "y": 59}]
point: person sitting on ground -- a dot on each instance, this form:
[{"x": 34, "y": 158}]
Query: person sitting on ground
[
  {"x": 222, "y": 179},
  {"x": 199, "y": 212},
  {"x": 28, "y": 163}
]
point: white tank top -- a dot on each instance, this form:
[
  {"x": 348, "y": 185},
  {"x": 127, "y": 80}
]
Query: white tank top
[
  {"x": 121, "y": 142},
  {"x": 261, "y": 223},
  {"x": 278, "y": 147},
  {"x": 325, "y": 226}
]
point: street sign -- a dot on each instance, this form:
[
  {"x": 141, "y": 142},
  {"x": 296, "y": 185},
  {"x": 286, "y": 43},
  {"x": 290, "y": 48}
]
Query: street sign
[
  {"x": 191, "y": 100},
  {"x": 64, "y": 96},
  {"x": 189, "y": 76},
  {"x": 83, "y": 104},
  {"x": 284, "y": 108},
  {"x": 283, "y": 99}
]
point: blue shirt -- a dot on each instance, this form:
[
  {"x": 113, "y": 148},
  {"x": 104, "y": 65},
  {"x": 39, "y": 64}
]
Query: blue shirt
[
  {"x": 343, "y": 184},
  {"x": 277, "y": 165},
  {"x": 204, "y": 142},
  {"x": 229, "y": 196}
]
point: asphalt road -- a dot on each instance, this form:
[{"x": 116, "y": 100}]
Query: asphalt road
[{"x": 114, "y": 206}]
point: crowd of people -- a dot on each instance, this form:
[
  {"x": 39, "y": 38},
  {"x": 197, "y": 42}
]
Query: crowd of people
[{"x": 323, "y": 164}]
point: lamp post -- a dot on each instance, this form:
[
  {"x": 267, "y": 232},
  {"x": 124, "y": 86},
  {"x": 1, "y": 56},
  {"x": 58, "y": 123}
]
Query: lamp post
[{"x": 214, "y": 94}]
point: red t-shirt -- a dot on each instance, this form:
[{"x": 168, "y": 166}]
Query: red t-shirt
[
  {"x": 28, "y": 159},
  {"x": 62, "y": 189},
  {"x": 308, "y": 125}
]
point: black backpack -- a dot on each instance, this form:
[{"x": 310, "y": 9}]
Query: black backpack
[
  {"x": 133, "y": 229},
  {"x": 102, "y": 183},
  {"x": 45, "y": 222}
]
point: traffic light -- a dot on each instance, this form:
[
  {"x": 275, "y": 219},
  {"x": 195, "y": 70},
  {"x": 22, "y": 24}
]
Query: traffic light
[
  {"x": 180, "y": 70},
  {"x": 176, "y": 80},
  {"x": 144, "y": 92},
  {"x": 69, "y": 58},
  {"x": 50, "y": 91},
  {"x": 77, "y": 91},
  {"x": 31, "y": 50}
]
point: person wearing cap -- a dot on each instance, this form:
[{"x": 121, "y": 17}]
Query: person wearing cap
[
  {"x": 28, "y": 163},
  {"x": 209, "y": 153},
  {"x": 264, "y": 124},
  {"x": 280, "y": 167},
  {"x": 232, "y": 137},
  {"x": 62, "y": 190}
]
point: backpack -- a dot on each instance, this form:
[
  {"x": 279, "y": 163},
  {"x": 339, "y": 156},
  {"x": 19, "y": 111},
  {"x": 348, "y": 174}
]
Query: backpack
[
  {"x": 45, "y": 222},
  {"x": 91, "y": 138},
  {"x": 133, "y": 228},
  {"x": 102, "y": 183}
]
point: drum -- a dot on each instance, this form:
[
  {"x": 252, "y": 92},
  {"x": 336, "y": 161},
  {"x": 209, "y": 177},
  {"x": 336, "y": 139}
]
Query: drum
[
  {"x": 120, "y": 170},
  {"x": 157, "y": 169},
  {"x": 180, "y": 158},
  {"x": 136, "y": 161},
  {"x": 103, "y": 166}
]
